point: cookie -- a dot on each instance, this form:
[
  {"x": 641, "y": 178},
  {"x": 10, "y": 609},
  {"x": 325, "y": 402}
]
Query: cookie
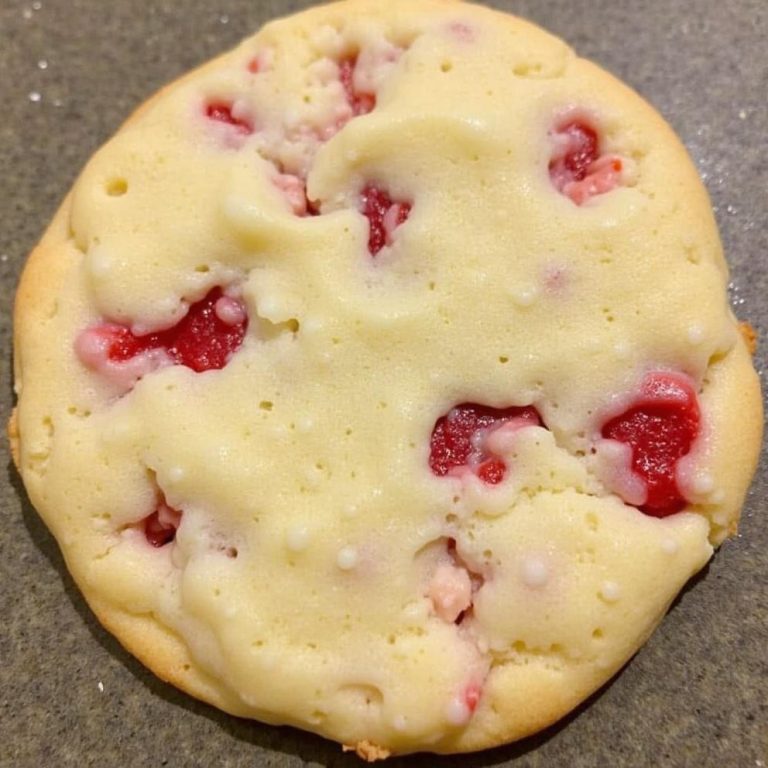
[{"x": 379, "y": 378}]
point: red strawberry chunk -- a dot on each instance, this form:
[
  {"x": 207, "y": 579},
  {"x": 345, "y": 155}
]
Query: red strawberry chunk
[
  {"x": 458, "y": 439},
  {"x": 361, "y": 102},
  {"x": 577, "y": 167},
  {"x": 201, "y": 340},
  {"x": 123, "y": 345},
  {"x": 660, "y": 426},
  {"x": 160, "y": 527},
  {"x": 384, "y": 216},
  {"x": 221, "y": 112},
  {"x": 580, "y": 151}
]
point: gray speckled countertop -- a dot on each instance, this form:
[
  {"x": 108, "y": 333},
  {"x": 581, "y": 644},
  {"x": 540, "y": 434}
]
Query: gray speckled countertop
[{"x": 696, "y": 695}]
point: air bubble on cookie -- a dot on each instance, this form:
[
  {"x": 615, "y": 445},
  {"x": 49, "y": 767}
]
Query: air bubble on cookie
[
  {"x": 160, "y": 527},
  {"x": 384, "y": 216},
  {"x": 464, "y": 439},
  {"x": 659, "y": 427},
  {"x": 204, "y": 339},
  {"x": 577, "y": 167},
  {"x": 116, "y": 187}
]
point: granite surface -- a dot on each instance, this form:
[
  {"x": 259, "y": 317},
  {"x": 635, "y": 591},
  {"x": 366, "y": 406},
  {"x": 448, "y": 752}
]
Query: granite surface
[{"x": 696, "y": 695}]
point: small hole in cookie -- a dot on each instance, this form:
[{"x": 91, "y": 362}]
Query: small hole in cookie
[
  {"x": 265, "y": 405},
  {"x": 598, "y": 634},
  {"x": 117, "y": 187},
  {"x": 231, "y": 552},
  {"x": 446, "y": 66}
]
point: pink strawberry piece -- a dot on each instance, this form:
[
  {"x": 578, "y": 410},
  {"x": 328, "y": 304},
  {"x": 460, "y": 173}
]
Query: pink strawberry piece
[
  {"x": 458, "y": 439},
  {"x": 295, "y": 190},
  {"x": 384, "y": 216},
  {"x": 204, "y": 339},
  {"x": 221, "y": 112},
  {"x": 577, "y": 167},
  {"x": 660, "y": 427},
  {"x": 160, "y": 527},
  {"x": 472, "y": 696},
  {"x": 361, "y": 102}
]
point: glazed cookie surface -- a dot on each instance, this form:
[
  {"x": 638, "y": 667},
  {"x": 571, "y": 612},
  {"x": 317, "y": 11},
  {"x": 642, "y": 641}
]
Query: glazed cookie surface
[{"x": 396, "y": 390}]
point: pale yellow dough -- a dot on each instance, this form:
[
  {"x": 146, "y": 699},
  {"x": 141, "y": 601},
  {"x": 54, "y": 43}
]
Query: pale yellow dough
[{"x": 308, "y": 452}]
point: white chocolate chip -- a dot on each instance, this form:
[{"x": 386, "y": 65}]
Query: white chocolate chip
[
  {"x": 99, "y": 262},
  {"x": 695, "y": 334},
  {"x": 399, "y": 723},
  {"x": 525, "y": 296},
  {"x": 610, "y": 591},
  {"x": 534, "y": 572},
  {"x": 621, "y": 350},
  {"x": 457, "y": 712},
  {"x": 670, "y": 546},
  {"x": 229, "y": 310},
  {"x": 176, "y": 474},
  {"x": 415, "y": 613},
  {"x": 305, "y": 424},
  {"x": 297, "y": 538},
  {"x": 346, "y": 558},
  {"x": 703, "y": 483}
]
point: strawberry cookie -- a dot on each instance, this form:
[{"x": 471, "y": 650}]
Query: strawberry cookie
[{"x": 378, "y": 378}]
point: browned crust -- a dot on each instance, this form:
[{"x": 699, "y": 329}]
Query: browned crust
[
  {"x": 163, "y": 653},
  {"x": 12, "y": 429},
  {"x": 749, "y": 334}
]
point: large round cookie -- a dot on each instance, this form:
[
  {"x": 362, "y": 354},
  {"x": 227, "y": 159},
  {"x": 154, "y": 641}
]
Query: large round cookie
[{"x": 458, "y": 405}]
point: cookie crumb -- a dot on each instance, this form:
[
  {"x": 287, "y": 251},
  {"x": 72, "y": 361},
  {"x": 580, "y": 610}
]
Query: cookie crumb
[{"x": 367, "y": 751}]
